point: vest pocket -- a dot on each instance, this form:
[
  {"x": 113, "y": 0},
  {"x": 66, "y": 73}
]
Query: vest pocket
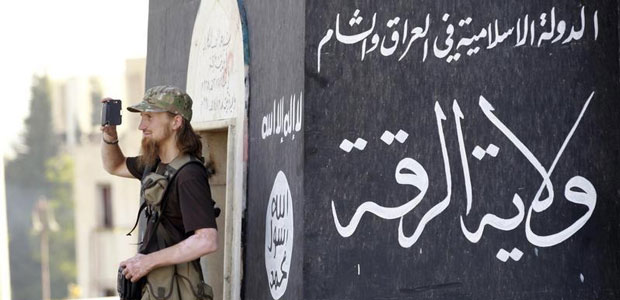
[
  {"x": 167, "y": 283},
  {"x": 153, "y": 188}
]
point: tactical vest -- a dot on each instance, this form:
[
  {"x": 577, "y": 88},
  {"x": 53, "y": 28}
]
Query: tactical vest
[{"x": 183, "y": 281}]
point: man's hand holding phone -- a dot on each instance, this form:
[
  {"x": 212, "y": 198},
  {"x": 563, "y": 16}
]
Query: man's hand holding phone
[{"x": 110, "y": 117}]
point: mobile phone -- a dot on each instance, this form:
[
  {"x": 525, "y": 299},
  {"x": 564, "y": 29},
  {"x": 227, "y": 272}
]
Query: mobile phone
[{"x": 111, "y": 113}]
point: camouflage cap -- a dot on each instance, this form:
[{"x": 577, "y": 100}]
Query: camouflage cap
[{"x": 165, "y": 98}]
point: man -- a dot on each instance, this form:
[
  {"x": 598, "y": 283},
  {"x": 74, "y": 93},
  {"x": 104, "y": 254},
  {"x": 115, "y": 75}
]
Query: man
[{"x": 188, "y": 219}]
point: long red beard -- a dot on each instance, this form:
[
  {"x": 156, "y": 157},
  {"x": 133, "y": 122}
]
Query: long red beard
[{"x": 149, "y": 151}]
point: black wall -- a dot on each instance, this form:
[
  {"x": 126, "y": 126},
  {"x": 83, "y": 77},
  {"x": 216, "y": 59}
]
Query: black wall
[
  {"x": 537, "y": 92},
  {"x": 276, "y": 34}
]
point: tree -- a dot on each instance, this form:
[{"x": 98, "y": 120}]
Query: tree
[
  {"x": 37, "y": 171},
  {"x": 40, "y": 141},
  {"x": 59, "y": 172}
]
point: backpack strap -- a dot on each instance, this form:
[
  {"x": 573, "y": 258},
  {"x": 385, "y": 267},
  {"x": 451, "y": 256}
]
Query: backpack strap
[
  {"x": 179, "y": 162},
  {"x": 146, "y": 171},
  {"x": 142, "y": 207}
]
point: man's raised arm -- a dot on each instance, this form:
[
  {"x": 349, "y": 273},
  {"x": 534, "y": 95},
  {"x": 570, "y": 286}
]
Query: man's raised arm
[{"x": 111, "y": 154}]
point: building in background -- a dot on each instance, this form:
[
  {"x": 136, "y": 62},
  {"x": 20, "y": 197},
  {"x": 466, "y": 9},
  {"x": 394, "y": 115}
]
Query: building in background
[{"x": 105, "y": 205}]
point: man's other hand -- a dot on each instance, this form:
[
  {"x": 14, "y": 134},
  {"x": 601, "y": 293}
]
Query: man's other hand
[{"x": 136, "y": 267}]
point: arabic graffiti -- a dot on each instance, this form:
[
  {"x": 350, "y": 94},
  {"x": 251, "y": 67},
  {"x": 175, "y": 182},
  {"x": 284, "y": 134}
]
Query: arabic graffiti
[
  {"x": 578, "y": 189},
  {"x": 279, "y": 236},
  {"x": 219, "y": 64},
  {"x": 540, "y": 30},
  {"x": 282, "y": 121},
  {"x": 215, "y": 69}
]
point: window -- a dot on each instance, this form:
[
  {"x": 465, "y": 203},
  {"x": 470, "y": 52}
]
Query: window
[{"x": 105, "y": 208}]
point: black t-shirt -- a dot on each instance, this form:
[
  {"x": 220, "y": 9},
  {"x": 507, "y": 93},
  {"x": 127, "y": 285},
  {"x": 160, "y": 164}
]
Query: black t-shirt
[{"x": 188, "y": 207}]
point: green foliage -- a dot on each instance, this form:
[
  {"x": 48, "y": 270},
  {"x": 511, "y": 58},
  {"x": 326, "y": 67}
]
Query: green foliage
[
  {"x": 40, "y": 142},
  {"x": 59, "y": 172},
  {"x": 38, "y": 171}
]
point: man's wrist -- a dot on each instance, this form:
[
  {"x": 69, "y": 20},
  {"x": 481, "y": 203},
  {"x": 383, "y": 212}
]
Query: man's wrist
[
  {"x": 114, "y": 142},
  {"x": 151, "y": 262}
]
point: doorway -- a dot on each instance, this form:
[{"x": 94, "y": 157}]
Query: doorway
[{"x": 215, "y": 151}]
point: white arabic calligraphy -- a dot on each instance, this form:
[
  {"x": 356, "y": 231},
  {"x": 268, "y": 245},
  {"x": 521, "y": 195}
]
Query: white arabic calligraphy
[
  {"x": 552, "y": 30},
  {"x": 281, "y": 121},
  {"x": 578, "y": 189},
  {"x": 279, "y": 234}
]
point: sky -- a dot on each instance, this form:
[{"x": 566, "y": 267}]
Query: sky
[{"x": 64, "y": 39}]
